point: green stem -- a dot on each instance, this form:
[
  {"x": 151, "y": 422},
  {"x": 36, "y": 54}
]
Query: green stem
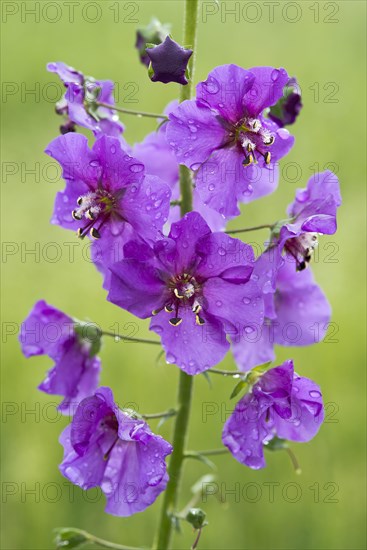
[
  {"x": 166, "y": 414},
  {"x": 130, "y": 111},
  {"x": 108, "y": 544},
  {"x": 180, "y": 431},
  {"x": 235, "y": 373},
  {"x": 255, "y": 228},
  {"x": 208, "y": 452},
  {"x": 119, "y": 337}
]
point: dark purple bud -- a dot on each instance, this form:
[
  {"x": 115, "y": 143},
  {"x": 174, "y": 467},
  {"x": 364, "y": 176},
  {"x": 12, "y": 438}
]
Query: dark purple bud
[
  {"x": 153, "y": 33},
  {"x": 169, "y": 62},
  {"x": 289, "y": 106}
]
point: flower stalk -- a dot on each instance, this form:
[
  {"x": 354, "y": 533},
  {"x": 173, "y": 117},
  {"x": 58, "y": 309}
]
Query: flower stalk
[{"x": 180, "y": 431}]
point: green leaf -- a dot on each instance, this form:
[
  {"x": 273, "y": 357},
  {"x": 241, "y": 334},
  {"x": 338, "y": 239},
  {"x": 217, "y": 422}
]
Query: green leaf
[
  {"x": 242, "y": 384},
  {"x": 263, "y": 367},
  {"x": 68, "y": 537}
]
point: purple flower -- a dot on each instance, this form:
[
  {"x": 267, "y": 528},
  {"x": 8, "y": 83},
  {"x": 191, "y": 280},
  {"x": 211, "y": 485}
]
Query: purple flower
[
  {"x": 79, "y": 104},
  {"x": 159, "y": 160},
  {"x": 197, "y": 286},
  {"x": 286, "y": 111},
  {"x": 223, "y": 136},
  {"x": 297, "y": 312},
  {"x": 75, "y": 375},
  {"x": 108, "y": 448},
  {"x": 153, "y": 33},
  {"x": 107, "y": 195},
  {"x": 169, "y": 62},
  {"x": 280, "y": 404},
  {"x": 313, "y": 211}
]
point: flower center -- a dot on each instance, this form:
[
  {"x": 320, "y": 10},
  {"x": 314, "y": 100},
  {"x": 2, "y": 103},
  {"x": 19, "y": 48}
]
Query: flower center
[
  {"x": 254, "y": 140},
  {"x": 302, "y": 248},
  {"x": 184, "y": 291},
  {"x": 95, "y": 207}
]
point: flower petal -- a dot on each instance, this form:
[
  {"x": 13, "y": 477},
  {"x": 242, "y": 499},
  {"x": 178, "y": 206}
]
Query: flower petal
[
  {"x": 191, "y": 347},
  {"x": 224, "y": 91},
  {"x": 266, "y": 89},
  {"x": 193, "y": 133}
]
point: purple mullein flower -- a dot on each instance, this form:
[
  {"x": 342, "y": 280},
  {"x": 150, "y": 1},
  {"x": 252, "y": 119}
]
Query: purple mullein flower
[
  {"x": 107, "y": 195},
  {"x": 297, "y": 312},
  {"x": 169, "y": 62},
  {"x": 197, "y": 286},
  {"x": 79, "y": 104},
  {"x": 159, "y": 160},
  {"x": 109, "y": 448},
  {"x": 313, "y": 211},
  {"x": 281, "y": 404},
  {"x": 223, "y": 136},
  {"x": 75, "y": 375}
]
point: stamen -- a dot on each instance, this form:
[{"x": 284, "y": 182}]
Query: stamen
[
  {"x": 89, "y": 214},
  {"x": 156, "y": 311},
  {"x": 168, "y": 309},
  {"x": 80, "y": 233},
  {"x": 76, "y": 215},
  {"x": 175, "y": 321},
  {"x": 268, "y": 140},
  {"x": 178, "y": 295},
  {"x": 94, "y": 233},
  {"x": 248, "y": 160},
  {"x": 79, "y": 201},
  {"x": 199, "y": 320},
  {"x": 196, "y": 308},
  {"x": 106, "y": 455},
  {"x": 267, "y": 157}
]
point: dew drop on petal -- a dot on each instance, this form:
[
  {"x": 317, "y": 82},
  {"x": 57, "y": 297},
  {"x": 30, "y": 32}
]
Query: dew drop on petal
[
  {"x": 136, "y": 168},
  {"x": 275, "y": 75},
  {"x": 314, "y": 394}
]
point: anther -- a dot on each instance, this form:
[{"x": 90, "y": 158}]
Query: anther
[
  {"x": 75, "y": 215},
  {"x": 168, "y": 309},
  {"x": 80, "y": 233},
  {"x": 156, "y": 311},
  {"x": 248, "y": 160},
  {"x": 89, "y": 214},
  {"x": 196, "y": 308},
  {"x": 175, "y": 321},
  {"x": 267, "y": 157},
  {"x": 199, "y": 320},
  {"x": 79, "y": 201},
  {"x": 94, "y": 233},
  {"x": 178, "y": 295},
  {"x": 269, "y": 140}
]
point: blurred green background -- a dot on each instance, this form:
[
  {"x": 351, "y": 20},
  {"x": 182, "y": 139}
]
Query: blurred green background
[{"x": 324, "y": 47}]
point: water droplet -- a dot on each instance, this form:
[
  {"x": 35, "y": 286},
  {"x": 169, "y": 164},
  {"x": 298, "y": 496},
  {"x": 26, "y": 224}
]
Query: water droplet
[
  {"x": 249, "y": 329},
  {"x": 94, "y": 163},
  {"x": 170, "y": 358},
  {"x": 65, "y": 198},
  {"x": 158, "y": 215},
  {"x": 211, "y": 86},
  {"x": 195, "y": 166},
  {"x": 193, "y": 129},
  {"x": 113, "y": 149},
  {"x": 283, "y": 133},
  {"x": 246, "y": 300},
  {"x": 211, "y": 187},
  {"x": 133, "y": 189},
  {"x": 136, "y": 168},
  {"x": 314, "y": 393},
  {"x": 221, "y": 252},
  {"x": 219, "y": 303},
  {"x": 275, "y": 75}
]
